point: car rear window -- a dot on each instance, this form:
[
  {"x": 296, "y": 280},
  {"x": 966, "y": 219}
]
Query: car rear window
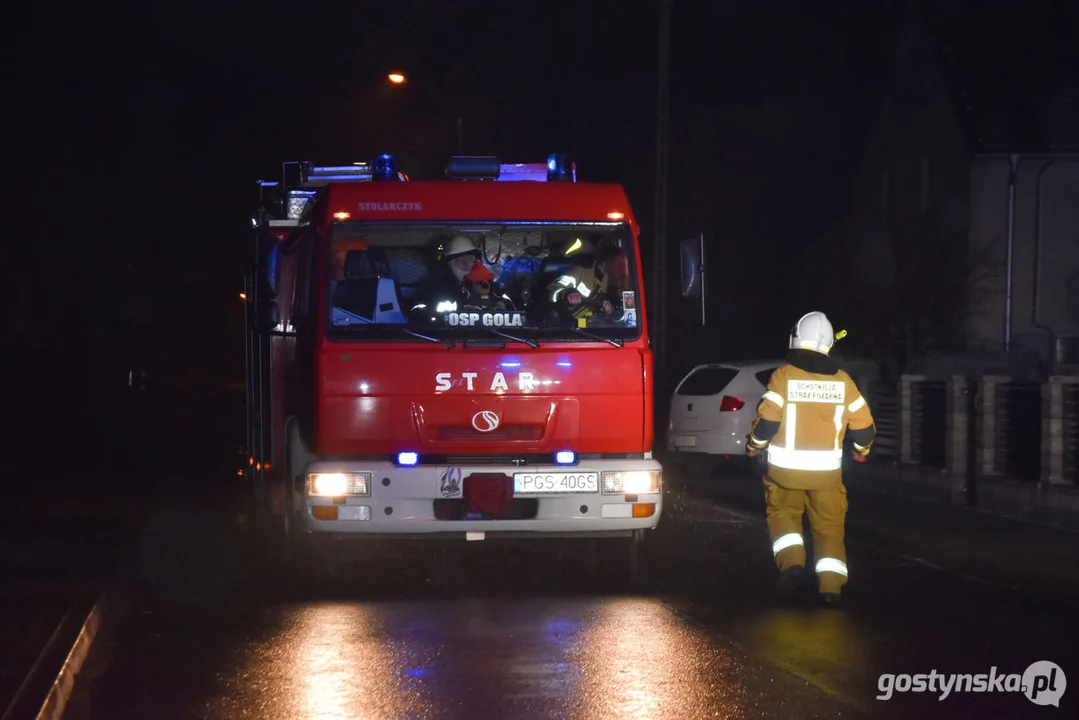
[
  {"x": 707, "y": 381},
  {"x": 764, "y": 376}
]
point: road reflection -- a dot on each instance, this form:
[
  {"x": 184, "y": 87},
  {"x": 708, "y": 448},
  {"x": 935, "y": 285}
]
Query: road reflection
[
  {"x": 329, "y": 662},
  {"x": 642, "y": 661},
  {"x": 341, "y": 668},
  {"x": 579, "y": 658},
  {"x": 827, "y": 647}
]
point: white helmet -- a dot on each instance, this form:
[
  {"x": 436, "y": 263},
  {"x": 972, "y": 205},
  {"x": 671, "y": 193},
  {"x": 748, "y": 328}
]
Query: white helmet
[
  {"x": 459, "y": 245},
  {"x": 813, "y": 331}
]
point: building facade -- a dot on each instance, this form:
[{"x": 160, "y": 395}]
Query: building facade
[{"x": 1032, "y": 303}]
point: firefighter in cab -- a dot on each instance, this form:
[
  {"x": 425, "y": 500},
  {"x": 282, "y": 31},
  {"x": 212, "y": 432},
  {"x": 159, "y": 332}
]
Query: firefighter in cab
[
  {"x": 799, "y": 430},
  {"x": 446, "y": 291},
  {"x": 589, "y": 287}
]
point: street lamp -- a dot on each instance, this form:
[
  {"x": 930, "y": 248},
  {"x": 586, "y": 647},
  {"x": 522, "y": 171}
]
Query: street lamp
[{"x": 397, "y": 78}]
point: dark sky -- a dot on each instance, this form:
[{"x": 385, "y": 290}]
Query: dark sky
[{"x": 142, "y": 127}]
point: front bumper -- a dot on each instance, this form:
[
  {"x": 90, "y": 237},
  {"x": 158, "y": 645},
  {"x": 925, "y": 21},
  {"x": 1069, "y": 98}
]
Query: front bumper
[{"x": 419, "y": 503}]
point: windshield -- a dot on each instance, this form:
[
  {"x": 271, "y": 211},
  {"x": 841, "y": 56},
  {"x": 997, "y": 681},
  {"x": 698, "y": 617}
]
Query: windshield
[{"x": 501, "y": 282}]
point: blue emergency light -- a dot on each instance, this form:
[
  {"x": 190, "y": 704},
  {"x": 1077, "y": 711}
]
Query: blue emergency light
[
  {"x": 407, "y": 458},
  {"x": 385, "y": 169},
  {"x": 565, "y": 457},
  {"x": 560, "y": 168}
]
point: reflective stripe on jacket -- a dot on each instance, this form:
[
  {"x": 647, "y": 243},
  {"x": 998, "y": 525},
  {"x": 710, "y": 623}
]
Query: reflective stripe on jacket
[
  {"x": 580, "y": 279},
  {"x": 813, "y": 411}
]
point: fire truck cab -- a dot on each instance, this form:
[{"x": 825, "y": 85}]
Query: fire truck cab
[{"x": 459, "y": 359}]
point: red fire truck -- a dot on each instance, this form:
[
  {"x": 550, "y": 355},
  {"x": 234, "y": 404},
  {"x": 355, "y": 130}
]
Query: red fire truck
[{"x": 460, "y": 359}]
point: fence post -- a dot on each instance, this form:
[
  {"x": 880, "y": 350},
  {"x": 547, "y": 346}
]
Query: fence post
[
  {"x": 989, "y": 454},
  {"x": 957, "y": 439},
  {"x": 906, "y": 417},
  {"x": 1053, "y": 431}
]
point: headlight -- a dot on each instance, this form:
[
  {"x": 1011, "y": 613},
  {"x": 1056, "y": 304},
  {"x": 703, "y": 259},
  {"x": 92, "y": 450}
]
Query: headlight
[
  {"x": 631, "y": 482},
  {"x": 338, "y": 484}
]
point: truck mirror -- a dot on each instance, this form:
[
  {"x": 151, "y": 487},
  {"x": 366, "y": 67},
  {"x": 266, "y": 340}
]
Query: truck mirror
[
  {"x": 692, "y": 251},
  {"x": 269, "y": 266},
  {"x": 268, "y": 316}
]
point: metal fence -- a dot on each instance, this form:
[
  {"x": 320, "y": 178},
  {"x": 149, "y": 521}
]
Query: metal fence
[
  {"x": 1018, "y": 430},
  {"x": 884, "y": 403},
  {"x": 990, "y": 426},
  {"x": 1071, "y": 433}
]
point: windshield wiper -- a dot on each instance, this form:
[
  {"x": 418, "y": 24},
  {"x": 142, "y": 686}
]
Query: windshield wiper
[
  {"x": 527, "y": 341},
  {"x": 448, "y": 343},
  {"x": 617, "y": 342}
]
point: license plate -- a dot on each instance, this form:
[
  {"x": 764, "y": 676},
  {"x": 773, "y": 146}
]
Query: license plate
[
  {"x": 542, "y": 483},
  {"x": 686, "y": 441}
]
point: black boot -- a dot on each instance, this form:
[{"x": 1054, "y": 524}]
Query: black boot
[
  {"x": 790, "y": 581},
  {"x": 831, "y": 600}
]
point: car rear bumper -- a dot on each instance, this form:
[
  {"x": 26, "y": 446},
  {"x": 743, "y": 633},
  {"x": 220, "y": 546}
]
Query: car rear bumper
[
  {"x": 712, "y": 442},
  {"x": 429, "y": 502}
]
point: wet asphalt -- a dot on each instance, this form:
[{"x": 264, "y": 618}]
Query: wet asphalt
[{"x": 200, "y": 630}]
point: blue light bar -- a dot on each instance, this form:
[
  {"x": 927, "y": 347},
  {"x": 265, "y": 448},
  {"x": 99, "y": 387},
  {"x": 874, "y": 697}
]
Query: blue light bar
[
  {"x": 537, "y": 172},
  {"x": 473, "y": 167},
  {"x": 565, "y": 457},
  {"x": 517, "y": 172},
  {"x": 316, "y": 176},
  {"x": 385, "y": 169},
  {"x": 407, "y": 458}
]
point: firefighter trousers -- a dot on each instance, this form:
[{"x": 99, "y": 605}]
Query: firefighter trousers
[{"x": 827, "y": 510}]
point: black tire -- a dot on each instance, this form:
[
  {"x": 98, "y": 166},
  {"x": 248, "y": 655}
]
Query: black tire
[
  {"x": 302, "y": 565},
  {"x": 282, "y": 558},
  {"x": 306, "y": 567},
  {"x": 306, "y": 561}
]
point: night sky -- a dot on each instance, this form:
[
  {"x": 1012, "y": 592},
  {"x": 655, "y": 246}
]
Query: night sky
[{"x": 140, "y": 130}]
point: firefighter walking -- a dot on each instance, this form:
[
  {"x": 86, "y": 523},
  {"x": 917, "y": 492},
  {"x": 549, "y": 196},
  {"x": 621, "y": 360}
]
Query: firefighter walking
[{"x": 801, "y": 424}]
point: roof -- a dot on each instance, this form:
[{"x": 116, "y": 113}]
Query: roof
[
  {"x": 458, "y": 200},
  {"x": 750, "y": 365},
  {"x": 1009, "y": 71}
]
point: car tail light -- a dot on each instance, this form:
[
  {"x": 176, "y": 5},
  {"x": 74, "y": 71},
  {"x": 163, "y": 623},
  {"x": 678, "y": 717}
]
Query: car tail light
[{"x": 731, "y": 404}]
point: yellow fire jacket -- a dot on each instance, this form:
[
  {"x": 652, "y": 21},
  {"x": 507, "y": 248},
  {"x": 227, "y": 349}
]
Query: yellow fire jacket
[{"x": 804, "y": 415}]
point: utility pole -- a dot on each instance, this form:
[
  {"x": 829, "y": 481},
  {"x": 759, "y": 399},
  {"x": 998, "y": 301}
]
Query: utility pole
[{"x": 659, "y": 235}]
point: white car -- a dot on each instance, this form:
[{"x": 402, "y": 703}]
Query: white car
[{"x": 713, "y": 407}]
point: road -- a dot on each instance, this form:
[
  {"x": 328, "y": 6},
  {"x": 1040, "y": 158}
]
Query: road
[{"x": 201, "y": 634}]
